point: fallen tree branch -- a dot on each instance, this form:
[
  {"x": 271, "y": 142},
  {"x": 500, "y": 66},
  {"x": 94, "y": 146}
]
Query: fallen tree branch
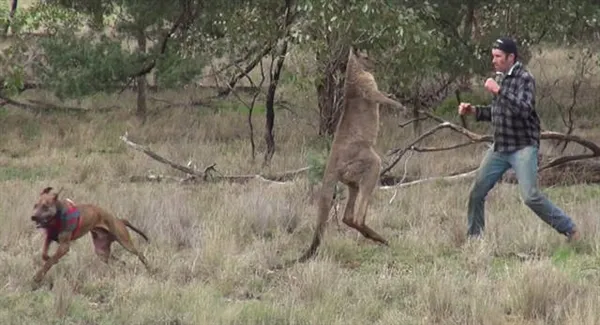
[
  {"x": 208, "y": 173},
  {"x": 400, "y": 151},
  {"x": 25, "y": 86},
  {"x": 401, "y": 180},
  {"x": 71, "y": 109},
  {"x": 550, "y": 135},
  {"x": 566, "y": 174},
  {"x": 193, "y": 175},
  {"x": 431, "y": 179},
  {"x": 437, "y": 149},
  {"x": 156, "y": 178},
  {"x": 28, "y": 107},
  {"x": 36, "y": 106},
  {"x": 478, "y": 138},
  {"x": 158, "y": 158},
  {"x": 411, "y": 121}
]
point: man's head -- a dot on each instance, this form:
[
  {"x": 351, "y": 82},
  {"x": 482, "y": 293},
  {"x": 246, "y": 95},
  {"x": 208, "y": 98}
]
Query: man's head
[
  {"x": 504, "y": 54},
  {"x": 45, "y": 209}
]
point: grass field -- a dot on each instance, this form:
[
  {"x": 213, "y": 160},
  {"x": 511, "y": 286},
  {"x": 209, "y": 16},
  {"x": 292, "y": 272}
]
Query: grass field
[{"x": 213, "y": 243}]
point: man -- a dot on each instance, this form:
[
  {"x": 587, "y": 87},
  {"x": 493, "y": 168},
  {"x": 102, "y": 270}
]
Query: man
[{"x": 516, "y": 142}]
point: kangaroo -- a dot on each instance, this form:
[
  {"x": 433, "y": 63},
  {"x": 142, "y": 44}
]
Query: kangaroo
[{"x": 353, "y": 160}]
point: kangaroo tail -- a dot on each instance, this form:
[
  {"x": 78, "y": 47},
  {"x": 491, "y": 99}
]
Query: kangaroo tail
[
  {"x": 324, "y": 206},
  {"x": 141, "y": 233}
]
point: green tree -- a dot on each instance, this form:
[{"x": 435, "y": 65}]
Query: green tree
[{"x": 149, "y": 36}]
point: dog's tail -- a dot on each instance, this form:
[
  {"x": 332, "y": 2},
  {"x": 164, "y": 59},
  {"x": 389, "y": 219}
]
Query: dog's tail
[{"x": 141, "y": 233}]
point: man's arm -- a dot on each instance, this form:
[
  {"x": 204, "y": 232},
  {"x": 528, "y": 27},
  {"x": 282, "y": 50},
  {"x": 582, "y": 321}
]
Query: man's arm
[
  {"x": 520, "y": 97},
  {"x": 483, "y": 113}
]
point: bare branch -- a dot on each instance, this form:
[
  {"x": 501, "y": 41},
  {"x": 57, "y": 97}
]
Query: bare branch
[
  {"x": 37, "y": 107},
  {"x": 437, "y": 149},
  {"x": 184, "y": 18},
  {"x": 155, "y": 178},
  {"x": 244, "y": 72},
  {"x": 206, "y": 175},
  {"x": 431, "y": 179},
  {"x": 477, "y": 138},
  {"x": 247, "y": 54},
  {"x": 250, "y": 105},
  {"x": 548, "y": 135},
  {"x": 411, "y": 121},
  {"x": 402, "y": 179},
  {"x": 158, "y": 158},
  {"x": 474, "y": 137}
]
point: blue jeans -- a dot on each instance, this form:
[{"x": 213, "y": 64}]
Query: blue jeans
[{"x": 524, "y": 163}]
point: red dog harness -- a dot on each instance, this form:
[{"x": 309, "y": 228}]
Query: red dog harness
[{"x": 68, "y": 219}]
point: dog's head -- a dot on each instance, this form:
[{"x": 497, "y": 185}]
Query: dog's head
[{"x": 46, "y": 208}]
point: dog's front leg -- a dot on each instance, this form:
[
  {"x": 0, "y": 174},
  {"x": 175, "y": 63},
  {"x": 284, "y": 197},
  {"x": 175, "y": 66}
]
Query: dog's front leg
[
  {"x": 63, "y": 248},
  {"x": 45, "y": 256}
]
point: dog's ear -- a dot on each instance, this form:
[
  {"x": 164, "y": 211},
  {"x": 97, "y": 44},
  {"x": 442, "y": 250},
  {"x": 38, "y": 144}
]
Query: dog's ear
[
  {"x": 46, "y": 190},
  {"x": 57, "y": 193}
]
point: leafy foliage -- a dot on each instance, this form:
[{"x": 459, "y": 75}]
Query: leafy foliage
[
  {"x": 81, "y": 66},
  {"x": 79, "y": 62},
  {"x": 316, "y": 165},
  {"x": 48, "y": 19},
  {"x": 420, "y": 47},
  {"x": 174, "y": 70}
]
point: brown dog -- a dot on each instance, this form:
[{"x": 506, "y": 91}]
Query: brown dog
[{"x": 65, "y": 222}]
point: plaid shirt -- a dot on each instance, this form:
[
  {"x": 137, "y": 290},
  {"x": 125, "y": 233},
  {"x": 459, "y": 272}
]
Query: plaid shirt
[
  {"x": 67, "y": 219},
  {"x": 512, "y": 112}
]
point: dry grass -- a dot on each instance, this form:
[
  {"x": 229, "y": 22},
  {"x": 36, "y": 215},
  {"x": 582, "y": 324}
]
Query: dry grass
[{"x": 213, "y": 243}]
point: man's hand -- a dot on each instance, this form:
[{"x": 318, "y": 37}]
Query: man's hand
[
  {"x": 465, "y": 108},
  {"x": 492, "y": 86}
]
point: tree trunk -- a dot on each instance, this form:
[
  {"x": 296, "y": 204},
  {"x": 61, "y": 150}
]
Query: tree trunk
[
  {"x": 329, "y": 95},
  {"x": 11, "y": 14},
  {"x": 417, "y": 129},
  {"x": 13, "y": 8},
  {"x": 330, "y": 91},
  {"x": 270, "y": 103},
  {"x": 464, "y": 83},
  {"x": 275, "y": 73},
  {"x": 141, "y": 109}
]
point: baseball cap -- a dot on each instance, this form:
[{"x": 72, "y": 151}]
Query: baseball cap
[{"x": 506, "y": 44}]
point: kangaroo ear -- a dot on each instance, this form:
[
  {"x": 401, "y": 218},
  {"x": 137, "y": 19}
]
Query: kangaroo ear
[
  {"x": 351, "y": 52},
  {"x": 46, "y": 190}
]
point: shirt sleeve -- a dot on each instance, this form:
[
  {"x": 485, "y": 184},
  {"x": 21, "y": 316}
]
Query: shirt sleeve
[
  {"x": 520, "y": 97},
  {"x": 483, "y": 113}
]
